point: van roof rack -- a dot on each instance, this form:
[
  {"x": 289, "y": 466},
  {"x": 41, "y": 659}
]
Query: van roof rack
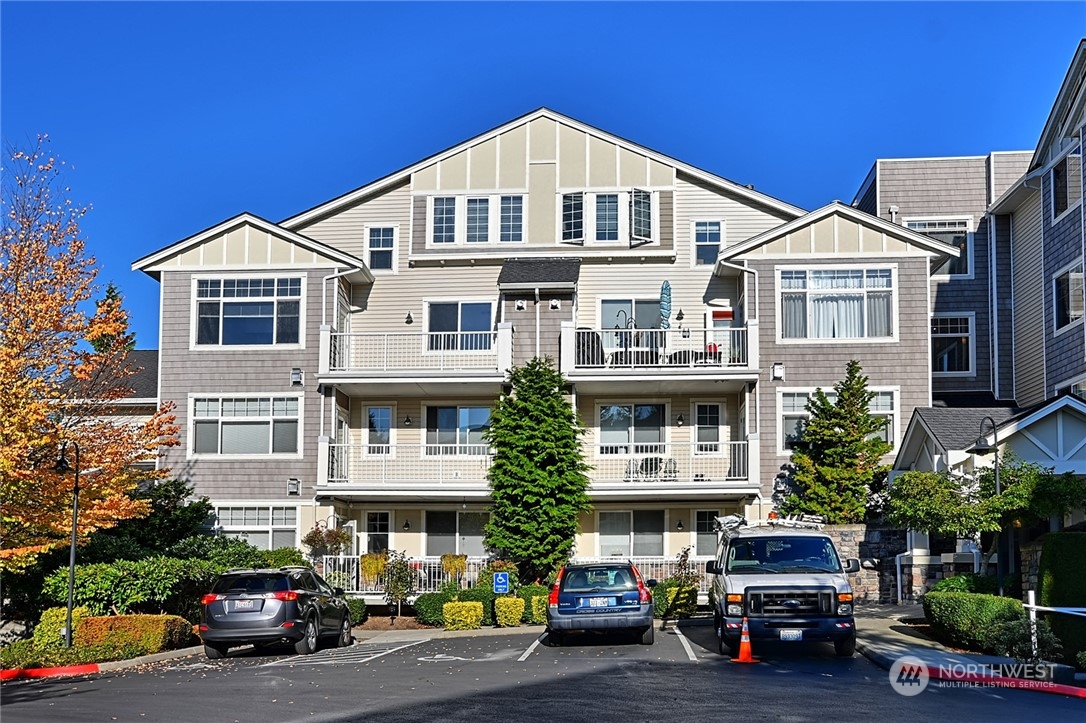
[{"x": 808, "y": 521}]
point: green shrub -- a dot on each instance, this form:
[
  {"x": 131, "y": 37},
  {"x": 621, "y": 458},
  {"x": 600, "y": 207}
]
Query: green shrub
[
  {"x": 672, "y": 600},
  {"x": 481, "y": 593},
  {"x": 463, "y": 615},
  {"x": 1014, "y": 639},
  {"x": 24, "y": 654},
  {"x": 222, "y": 552},
  {"x": 967, "y": 582},
  {"x": 285, "y": 557},
  {"x": 486, "y": 575},
  {"x": 47, "y": 633},
  {"x": 539, "y": 610},
  {"x": 1080, "y": 661},
  {"x": 1062, "y": 584},
  {"x": 526, "y": 593},
  {"x": 357, "y": 606},
  {"x": 508, "y": 611},
  {"x": 147, "y": 633},
  {"x": 429, "y": 608},
  {"x": 966, "y": 620}
]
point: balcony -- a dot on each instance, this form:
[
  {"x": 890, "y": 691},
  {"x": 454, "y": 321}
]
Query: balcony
[
  {"x": 617, "y": 470},
  {"x": 416, "y": 353}
]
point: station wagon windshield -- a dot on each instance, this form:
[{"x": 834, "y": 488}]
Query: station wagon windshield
[{"x": 782, "y": 555}]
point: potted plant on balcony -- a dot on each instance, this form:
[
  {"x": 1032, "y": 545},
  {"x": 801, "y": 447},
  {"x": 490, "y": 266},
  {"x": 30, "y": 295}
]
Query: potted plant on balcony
[{"x": 322, "y": 540}]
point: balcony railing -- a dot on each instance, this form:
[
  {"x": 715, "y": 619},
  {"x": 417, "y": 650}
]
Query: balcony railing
[
  {"x": 345, "y": 572},
  {"x": 427, "y": 465},
  {"x": 385, "y": 352},
  {"x": 665, "y": 349}
]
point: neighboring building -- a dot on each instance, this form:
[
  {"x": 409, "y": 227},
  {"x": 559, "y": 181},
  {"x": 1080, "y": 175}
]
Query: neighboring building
[{"x": 340, "y": 366}]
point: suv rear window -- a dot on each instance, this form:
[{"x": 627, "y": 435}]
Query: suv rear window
[
  {"x": 252, "y": 583},
  {"x": 605, "y": 578}
]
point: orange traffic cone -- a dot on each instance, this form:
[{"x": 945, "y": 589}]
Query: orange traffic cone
[{"x": 744, "y": 647}]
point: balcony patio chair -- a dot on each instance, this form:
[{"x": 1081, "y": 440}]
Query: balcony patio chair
[
  {"x": 589, "y": 348},
  {"x": 651, "y": 468}
]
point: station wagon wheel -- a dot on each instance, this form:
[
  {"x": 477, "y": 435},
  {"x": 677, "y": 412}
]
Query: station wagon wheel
[
  {"x": 308, "y": 643},
  {"x": 345, "y": 638}
]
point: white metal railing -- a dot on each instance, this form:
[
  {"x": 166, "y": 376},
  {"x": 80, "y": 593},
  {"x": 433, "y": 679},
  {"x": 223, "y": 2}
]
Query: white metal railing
[
  {"x": 660, "y": 348},
  {"x": 426, "y": 465},
  {"x": 658, "y": 567},
  {"x": 403, "y": 351}
]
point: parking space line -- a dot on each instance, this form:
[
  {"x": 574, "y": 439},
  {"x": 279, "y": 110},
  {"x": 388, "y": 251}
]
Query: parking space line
[
  {"x": 359, "y": 653},
  {"x": 531, "y": 649},
  {"x": 686, "y": 645}
]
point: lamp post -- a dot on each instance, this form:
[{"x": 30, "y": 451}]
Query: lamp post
[
  {"x": 983, "y": 448},
  {"x": 62, "y": 467}
]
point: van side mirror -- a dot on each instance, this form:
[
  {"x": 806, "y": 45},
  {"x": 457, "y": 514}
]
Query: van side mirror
[
  {"x": 713, "y": 567},
  {"x": 852, "y": 565}
]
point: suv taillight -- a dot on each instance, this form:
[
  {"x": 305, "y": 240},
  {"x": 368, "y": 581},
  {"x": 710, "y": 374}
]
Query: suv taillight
[
  {"x": 285, "y": 595},
  {"x": 643, "y": 594},
  {"x": 552, "y": 600},
  {"x": 209, "y": 598}
]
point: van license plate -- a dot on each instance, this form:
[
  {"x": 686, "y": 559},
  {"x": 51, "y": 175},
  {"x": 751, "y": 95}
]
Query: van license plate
[{"x": 791, "y": 635}]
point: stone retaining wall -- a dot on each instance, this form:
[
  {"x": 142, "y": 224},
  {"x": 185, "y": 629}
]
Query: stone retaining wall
[{"x": 875, "y": 546}]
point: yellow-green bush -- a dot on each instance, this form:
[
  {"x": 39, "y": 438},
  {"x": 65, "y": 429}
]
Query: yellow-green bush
[
  {"x": 672, "y": 601},
  {"x": 539, "y": 610},
  {"x": 151, "y": 633},
  {"x": 463, "y": 615},
  {"x": 47, "y": 633},
  {"x": 508, "y": 611}
]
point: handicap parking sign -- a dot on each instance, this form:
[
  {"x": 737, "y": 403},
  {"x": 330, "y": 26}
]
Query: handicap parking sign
[{"x": 501, "y": 582}]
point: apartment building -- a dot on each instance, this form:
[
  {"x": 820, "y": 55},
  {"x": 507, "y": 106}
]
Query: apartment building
[{"x": 338, "y": 367}]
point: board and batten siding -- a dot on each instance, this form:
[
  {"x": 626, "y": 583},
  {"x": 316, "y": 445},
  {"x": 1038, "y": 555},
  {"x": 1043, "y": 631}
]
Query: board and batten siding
[
  {"x": 1029, "y": 303},
  {"x": 222, "y": 372}
]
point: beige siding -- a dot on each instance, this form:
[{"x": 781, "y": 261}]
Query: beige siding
[
  {"x": 1029, "y": 303},
  {"x": 346, "y": 230},
  {"x": 542, "y": 226},
  {"x": 542, "y": 140},
  {"x": 384, "y": 306},
  {"x": 572, "y": 158},
  {"x": 483, "y": 165},
  {"x": 513, "y": 158}
]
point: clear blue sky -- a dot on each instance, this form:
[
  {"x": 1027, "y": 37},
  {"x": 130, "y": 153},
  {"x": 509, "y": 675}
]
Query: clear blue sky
[{"x": 178, "y": 116}]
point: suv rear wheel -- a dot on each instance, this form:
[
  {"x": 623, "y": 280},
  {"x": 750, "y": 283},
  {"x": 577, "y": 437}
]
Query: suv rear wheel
[
  {"x": 308, "y": 643},
  {"x": 214, "y": 652}
]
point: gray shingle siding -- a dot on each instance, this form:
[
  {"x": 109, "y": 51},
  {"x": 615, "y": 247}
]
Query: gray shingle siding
[{"x": 1064, "y": 351}]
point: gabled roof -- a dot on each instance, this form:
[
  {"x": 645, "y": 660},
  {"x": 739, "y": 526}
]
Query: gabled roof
[
  {"x": 541, "y": 273},
  {"x": 401, "y": 175},
  {"x": 959, "y": 428},
  {"x": 1072, "y": 96},
  {"x": 901, "y": 233},
  {"x": 343, "y": 259}
]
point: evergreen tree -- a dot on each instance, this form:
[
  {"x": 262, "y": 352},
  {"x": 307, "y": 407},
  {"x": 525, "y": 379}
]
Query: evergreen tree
[
  {"x": 839, "y": 458},
  {"x": 538, "y": 479}
]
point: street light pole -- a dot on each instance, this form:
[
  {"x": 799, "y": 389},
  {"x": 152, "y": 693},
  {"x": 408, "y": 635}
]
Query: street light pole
[
  {"x": 63, "y": 467},
  {"x": 983, "y": 448}
]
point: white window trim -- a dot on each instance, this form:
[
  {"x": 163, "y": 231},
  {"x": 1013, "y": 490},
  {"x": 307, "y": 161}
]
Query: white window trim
[
  {"x": 460, "y": 222},
  {"x": 190, "y": 441},
  {"x": 694, "y": 530},
  {"x": 423, "y": 428},
  {"x": 969, "y": 247},
  {"x": 669, "y": 412},
  {"x": 424, "y": 534},
  {"x": 1059, "y": 331},
  {"x": 630, "y": 512},
  {"x": 972, "y": 316},
  {"x": 625, "y": 239},
  {"x": 692, "y": 423},
  {"x": 365, "y": 431},
  {"x": 895, "y": 301},
  {"x": 694, "y": 244},
  {"x": 195, "y": 302},
  {"x": 364, "y": 533},
  {"x": 1052, "y": 188},
  {"x": 427, "y": 301},
  {"x": 395, "y": 247},
  {"x": 267, "y": 503},
  {"x": 781, "y": 451},
  {"x": 1070, "y": 382}
]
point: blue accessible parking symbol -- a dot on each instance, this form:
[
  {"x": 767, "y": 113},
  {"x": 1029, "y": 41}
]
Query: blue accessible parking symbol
[{"x": 501, "y": 582}]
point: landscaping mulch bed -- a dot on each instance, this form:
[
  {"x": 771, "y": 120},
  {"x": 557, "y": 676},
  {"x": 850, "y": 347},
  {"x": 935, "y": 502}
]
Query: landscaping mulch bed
[{"x": 379, "y": 623}]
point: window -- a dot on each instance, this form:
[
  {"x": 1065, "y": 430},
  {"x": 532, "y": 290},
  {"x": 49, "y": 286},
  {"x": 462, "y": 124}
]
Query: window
[
  {"x": 377, "y": 531},
  {"x": 456, "y": 430},
  {"x": 957, "y": 232},
  {"x": 245, "y": 425},
  {"x": 706, "y": 242},
  {"x": 794, "y": 414},
  {"x": 620, "y": 315},
  {"x": 248, "y": 311},
  {"x": 837, "y": 303},
  {"x": 381, "y": 244},
  {"x": 379, "y": 432},
  {"x": 460, "y": 325},
  {"x": 478, "y": 220},
  {"x": 444, "y": 220},
  {"x": 952, "y": 345},
  {"x": 707, "y": 423},
  {"x": 608, "y": 223},
  {"x": 512, "y": 219},
  {"x": 639, "y": 533},
  {"x": 1078, "y": 389},
  {"x": 267, "y": 528},
  {"x": 626, "y": 428},
  {"x": 1067, "y": 182},
  {"x": 1069, "y": 299},
  {"x": 704, "y": 522},
  {"x": 455, "y": 533}
]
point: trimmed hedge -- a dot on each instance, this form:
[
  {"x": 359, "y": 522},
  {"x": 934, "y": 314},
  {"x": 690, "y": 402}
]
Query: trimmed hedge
[
  {"x": 463, "y": 615},
  {"x": 672, "y": 601},
  {"x": 483, "y": 594},
  {"x": 24, "y": 654},
  {"x": 508, "y": 611},
  {"x": 966, "y": 620},
  {"x": 429, "y": 608},
  {"x": 967, "y": 582},
  {"x": 359, "y": 613},
  {"x": 1063, "y": 584},
  {"x": 47, "y": 633},
  {"x": 539, "y": 610},
  {"x": 148, "y": 633},
  {"x": 526, "y": 593}
]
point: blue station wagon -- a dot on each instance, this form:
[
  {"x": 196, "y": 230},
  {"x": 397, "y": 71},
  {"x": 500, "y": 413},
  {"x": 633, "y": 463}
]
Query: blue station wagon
[{"x": 602, "y": 597}]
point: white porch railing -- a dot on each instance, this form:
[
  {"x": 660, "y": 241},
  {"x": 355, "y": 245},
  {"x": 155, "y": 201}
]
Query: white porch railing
[
  {"x": 660, "y": 348},
  {"x": 427, "y": 465},
  {"x": 414, "y": 351},
  {"x": 658, "y": 568}
]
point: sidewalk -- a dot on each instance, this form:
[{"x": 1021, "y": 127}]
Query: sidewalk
[{"x": 883, "y": 639}]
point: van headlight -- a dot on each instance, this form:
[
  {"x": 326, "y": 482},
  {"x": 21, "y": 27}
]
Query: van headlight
[
  {"x": 735, "y": 610},
  {"x": 844, "y": 603},
  {"x": 734, "y": 604},
  {"x": 845, "y": 608}
]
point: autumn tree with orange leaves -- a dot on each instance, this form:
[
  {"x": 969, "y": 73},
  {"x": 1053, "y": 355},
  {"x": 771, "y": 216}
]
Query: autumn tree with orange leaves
[{"x": 61, "y": 370}]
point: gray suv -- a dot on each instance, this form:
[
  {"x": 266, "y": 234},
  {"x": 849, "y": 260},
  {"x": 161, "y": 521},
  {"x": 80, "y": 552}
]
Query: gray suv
[{"x": 264, "y": 607}]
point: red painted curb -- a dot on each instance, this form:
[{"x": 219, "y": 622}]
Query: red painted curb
[
  {"x": 16, "y": 673},
  {"x": 1034, "y": 685}
]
